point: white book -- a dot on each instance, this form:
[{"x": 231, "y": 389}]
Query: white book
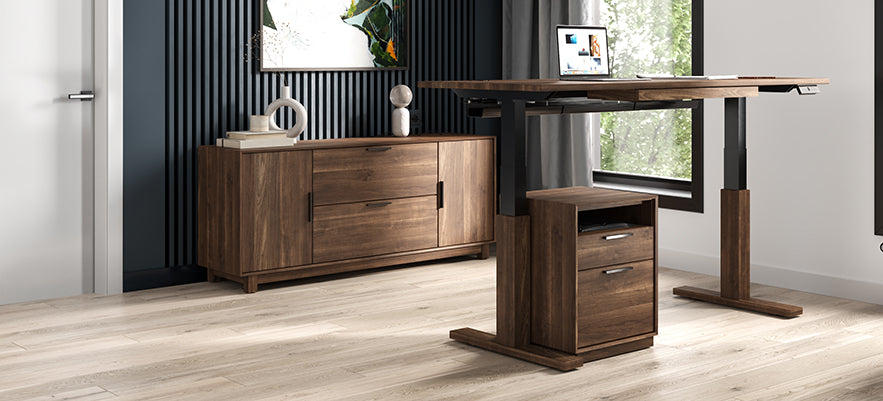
[
  {"x": 255, "y": 134},
  {"x": 255, "y": 143}
]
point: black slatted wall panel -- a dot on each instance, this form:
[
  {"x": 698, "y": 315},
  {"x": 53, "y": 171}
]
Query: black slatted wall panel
[{"x": 211, "y": 89}]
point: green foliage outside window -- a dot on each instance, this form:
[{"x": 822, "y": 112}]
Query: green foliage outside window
[{"x": 648, "y": 36}]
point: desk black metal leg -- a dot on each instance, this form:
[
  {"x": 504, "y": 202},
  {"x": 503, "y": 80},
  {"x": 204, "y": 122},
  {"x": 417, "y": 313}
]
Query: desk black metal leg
[
  {"x": 735, "y": 226},
  {"x": 513, "y": 158},
  {"x": 735, "y": 149}
]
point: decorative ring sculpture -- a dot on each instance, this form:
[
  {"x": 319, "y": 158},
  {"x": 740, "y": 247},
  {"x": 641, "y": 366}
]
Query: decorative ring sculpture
[{"x": 299, "y": 110}]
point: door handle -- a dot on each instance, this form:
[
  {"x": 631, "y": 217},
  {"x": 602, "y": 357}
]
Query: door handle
[
  {"x": 378, "y": 204},
  {"x": 441, "y": 194},
  {"x": 618, "y": 236},
  {"x": 83, "y": 96},
  {"x": 384, "y": 149}
]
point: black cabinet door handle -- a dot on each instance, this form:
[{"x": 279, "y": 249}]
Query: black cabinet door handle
[
  {"x": 379, "y": 204},
  {"x": 383, "y": 149},
  {"x": 309, "y": 206},
  {"x": 441, "y": 194}
]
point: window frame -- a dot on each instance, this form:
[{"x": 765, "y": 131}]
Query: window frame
[
  {"x": 878, "y": 121},
  {"x": 660, "y": 185}
]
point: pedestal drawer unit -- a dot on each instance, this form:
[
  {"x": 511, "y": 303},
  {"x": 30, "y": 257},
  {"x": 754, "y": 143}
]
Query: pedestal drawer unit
[
  {"x": 593, "y": 270},
  {"x": 329, "y": 206}
]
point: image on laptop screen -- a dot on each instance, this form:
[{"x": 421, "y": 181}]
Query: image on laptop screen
[{"x": 582, "y": 52}]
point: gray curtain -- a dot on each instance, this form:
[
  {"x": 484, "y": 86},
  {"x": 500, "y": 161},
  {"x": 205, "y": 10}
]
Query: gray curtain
[{"x": 559, "y": 147}]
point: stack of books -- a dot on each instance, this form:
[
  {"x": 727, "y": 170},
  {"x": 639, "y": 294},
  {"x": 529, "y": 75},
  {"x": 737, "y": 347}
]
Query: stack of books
[{"x": 255, "y": 139}]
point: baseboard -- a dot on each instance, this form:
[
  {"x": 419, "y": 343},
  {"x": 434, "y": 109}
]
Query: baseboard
[
  {"x": 779, "y": 277},
  {"x": 162, "y": 277}
]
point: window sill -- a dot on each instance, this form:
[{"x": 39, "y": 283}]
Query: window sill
[{"x": 673, "y": 194}]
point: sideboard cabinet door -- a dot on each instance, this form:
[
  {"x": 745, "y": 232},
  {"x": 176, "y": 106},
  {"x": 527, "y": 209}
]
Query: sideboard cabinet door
[
  {"x": 276, "y": 228},
  {"x": 466, "y": 173}
]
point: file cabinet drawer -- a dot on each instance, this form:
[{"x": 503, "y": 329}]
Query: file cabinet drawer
[
  {"x": 615, "y": 302},
  {"x": 614, "y": 246}
]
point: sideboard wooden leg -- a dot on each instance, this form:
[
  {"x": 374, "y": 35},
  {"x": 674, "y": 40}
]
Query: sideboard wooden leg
[
  {"x": 251, "y": 285},
  {"x": 211, "y": 277},
  {"x": 485, "y": 252}
]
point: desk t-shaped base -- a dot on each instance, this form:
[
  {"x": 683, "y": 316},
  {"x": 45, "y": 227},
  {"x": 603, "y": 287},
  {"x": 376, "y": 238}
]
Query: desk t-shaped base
[{"x": 735, "y": 234}]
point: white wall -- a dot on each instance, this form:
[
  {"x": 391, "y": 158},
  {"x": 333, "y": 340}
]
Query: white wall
[{"x": 810, "y": 158}]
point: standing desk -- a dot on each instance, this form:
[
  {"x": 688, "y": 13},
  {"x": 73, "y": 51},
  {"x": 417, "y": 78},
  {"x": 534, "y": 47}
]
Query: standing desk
[{"x": 513, "y": 100}]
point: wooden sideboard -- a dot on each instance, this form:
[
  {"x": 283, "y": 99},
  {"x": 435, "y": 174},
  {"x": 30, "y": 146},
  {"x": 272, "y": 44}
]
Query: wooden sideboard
[{"x": 329, "y": 206}]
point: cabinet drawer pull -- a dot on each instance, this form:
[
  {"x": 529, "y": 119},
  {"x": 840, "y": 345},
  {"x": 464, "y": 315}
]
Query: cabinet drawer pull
[
  {"x": 618, "y": 236},
  {"x": 378, "y": 204},
  {"x": 383, "y": 149},
  {"x": 620, "y": 270}
]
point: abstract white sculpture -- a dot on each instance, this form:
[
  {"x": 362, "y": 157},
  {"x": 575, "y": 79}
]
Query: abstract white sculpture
[
  {"x": 299, "y": 111},
  {"x": 401, "y": 96}
]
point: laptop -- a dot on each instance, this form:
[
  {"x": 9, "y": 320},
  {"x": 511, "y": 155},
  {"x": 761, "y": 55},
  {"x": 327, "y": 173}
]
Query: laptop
[{"x": 583, "y": 54}]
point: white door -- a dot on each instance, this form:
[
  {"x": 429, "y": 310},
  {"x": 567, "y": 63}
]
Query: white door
[{"x": 46, "y": 150}]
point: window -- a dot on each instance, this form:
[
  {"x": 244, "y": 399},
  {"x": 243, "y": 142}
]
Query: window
[{"x": 657, "y": 151}]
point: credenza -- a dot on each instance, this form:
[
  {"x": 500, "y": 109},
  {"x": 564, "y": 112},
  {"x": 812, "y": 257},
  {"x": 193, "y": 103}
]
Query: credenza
[{"x": 330, "y": 206}]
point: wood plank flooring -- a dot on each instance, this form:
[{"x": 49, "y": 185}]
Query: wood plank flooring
[{"x": 383, "y": 335}]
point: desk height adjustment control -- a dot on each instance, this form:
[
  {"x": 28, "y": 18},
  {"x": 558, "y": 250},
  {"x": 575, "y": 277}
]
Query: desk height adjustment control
[{"x": 807, "y": 89}]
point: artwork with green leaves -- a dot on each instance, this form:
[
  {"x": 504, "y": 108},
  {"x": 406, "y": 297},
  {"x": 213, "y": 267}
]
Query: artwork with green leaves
[{"x": 333, "y": 35}]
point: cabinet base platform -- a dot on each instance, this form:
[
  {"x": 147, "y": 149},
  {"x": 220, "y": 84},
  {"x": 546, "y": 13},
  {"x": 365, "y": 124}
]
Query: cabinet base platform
[
  {"x": 251, "y": 280},
  {"x": 752, "y": 304},
  {"x": 542, "y": 355}
]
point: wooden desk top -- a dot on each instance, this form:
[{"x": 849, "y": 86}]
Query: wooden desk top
[
  {"x": 554, "y": 85},
  {"x": 639, "y": 90}
]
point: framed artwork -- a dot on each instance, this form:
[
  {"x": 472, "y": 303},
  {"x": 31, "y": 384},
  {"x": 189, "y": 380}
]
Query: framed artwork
[{"x": 334, "y": 35}]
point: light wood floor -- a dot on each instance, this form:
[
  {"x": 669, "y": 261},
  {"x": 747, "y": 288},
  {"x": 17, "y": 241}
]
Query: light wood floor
[{"x": 384, "y": 335}]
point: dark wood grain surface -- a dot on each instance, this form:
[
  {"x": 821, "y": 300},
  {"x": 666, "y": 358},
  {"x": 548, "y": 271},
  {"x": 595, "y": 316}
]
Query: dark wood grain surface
[
  {"x": 366, "y": 141},
  {"x": 553, "y": 274},
  {"x": 636, "y": 95},
  {"x": 468, "y": 172},
  {"x": 554, "y": 85},
  {"x": 513, "y": 280},
  {"x": 597, "y": 249},
  {"x": 254, "y": 210},
  {"x": 753, "y": 304},
  {"x": 591, "y": 198},
  {"x": 359, "y": 229},
  {"x": 528, "y": 352},
  {"x": 374, "y": 172},
  {"x": 218, "y": 210},
  {"x": 275, "y": 226},
  {"x": 615, "y": 306},
  {"x": 735, "y": 245}
]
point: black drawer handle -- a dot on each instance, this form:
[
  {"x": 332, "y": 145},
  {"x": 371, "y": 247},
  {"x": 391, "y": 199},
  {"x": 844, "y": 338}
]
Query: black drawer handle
[
  {"x": 384, "y": 149},
  {"x": 618, "y": 236},
  {"x": 378, "y": 204},
  {"x": 441, "y": 194},
  {"x": 620, "y": 270}
]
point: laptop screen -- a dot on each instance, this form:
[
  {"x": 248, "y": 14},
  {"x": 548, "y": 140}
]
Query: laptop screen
[{"x": 582, "y": 51}]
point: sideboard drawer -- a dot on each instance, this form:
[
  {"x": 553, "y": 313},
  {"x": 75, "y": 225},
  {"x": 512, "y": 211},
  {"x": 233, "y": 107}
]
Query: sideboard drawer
[
  {"x": 374, "y": 172},
  {"x": 614, "y": 246},
  {"x": 615, "y": 302},
  {"x": 354, "y": 230}
]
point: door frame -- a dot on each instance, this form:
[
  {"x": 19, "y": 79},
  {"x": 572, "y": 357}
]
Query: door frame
[{"x": 108, "y": 146}]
